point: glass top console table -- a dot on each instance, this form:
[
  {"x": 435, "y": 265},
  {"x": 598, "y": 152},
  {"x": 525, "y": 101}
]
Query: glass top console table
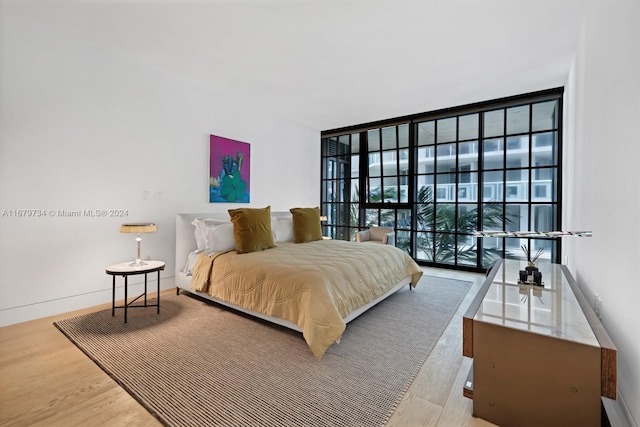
[{"x": 541, "y": 355}]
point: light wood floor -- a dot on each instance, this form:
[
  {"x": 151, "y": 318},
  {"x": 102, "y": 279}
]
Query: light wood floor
[{"x": 46, "y": 381}]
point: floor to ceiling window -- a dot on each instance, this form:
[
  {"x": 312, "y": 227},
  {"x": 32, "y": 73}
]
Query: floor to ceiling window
[
  {"x": 436, "y": 178},
  {"x": 340, "y": 162}
]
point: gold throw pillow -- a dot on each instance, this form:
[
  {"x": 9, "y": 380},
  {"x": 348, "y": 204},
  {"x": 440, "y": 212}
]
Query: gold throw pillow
[
  {"x": 306, "y": 224},
  {"x": 251, "y": 229}
]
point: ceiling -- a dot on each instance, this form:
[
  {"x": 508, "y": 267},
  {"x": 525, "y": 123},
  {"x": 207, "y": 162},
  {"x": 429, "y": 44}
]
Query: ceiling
[{"x": 333, "y": 63}]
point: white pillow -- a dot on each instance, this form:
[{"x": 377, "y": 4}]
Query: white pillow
[
  {"x": 282, "y": 229},
  {"x": 220, "y": 238},
  {"x": 191, "y": 261},
  {"x": 207, "y": 237},
  {"x": 202, "y": 228}
]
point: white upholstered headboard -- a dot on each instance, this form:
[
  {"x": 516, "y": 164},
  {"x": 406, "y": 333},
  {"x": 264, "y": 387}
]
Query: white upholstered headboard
[{"x": 185, "y": 233}]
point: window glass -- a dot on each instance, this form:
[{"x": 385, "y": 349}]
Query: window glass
[
  {"x": 403, "y": 193},
  {"x": 468, "y": 127},
  {"x": 390, "y": 162},
  {"x": 388, "y": 218},
  {"x": 389, "y": 138},
  {"x": 354, "y": 190},
  {"x": 492, "y": 250},
  {"x": 375, "y": 164},
  {"x": 424, "y": 246},
  {"x": 355, "y": 167},
  {"x": 468, "y": 155},
  {"x": 355, "y": 143},
  {"x": 353, "y": 214},
  {"x": 403, "y": 157},
  {"x": 444, "y": 249},
  {"x": 327, "y": 188},
  {"x": 545, "y": 145},
  {"x": 403, "y": 136},
  {"x": 518, "y": 119},
  {"x": 517, "y": 218},
  {"x": 426, "y": 133},
  {"x": 517, "y": 185},
  {"x": 446, "y": 157},
  {"x": 447, "y": 130},
  {"x": 518, "y": 151},
  {"x": 544, "y": 185},
  {"x": 375, "y": 190},
  {"x": 493, "y": 216},
  {"x": 446, "y": 187},
  {"x": 391, "y": 190},
  {"x": 493, "y": 184},
  {"x": 467, "y": 187},
  {"x": 372, "y": 217},
  {"x": 545, "y": 116},
  {"x": 426, "y": 162},
  {"x": 373, "y": 140},
  {"x": 467, "y": 218},
  {"x": 546, "y": 139},
  {"x": 329, "y": 146},
  {"x": 493, "y": 154},
  {"x": 425, "y": 188},
  {"x": 445, "y": 217},
  {"x": 494, "y": 123},
  {"x": 543, "y": 217}
]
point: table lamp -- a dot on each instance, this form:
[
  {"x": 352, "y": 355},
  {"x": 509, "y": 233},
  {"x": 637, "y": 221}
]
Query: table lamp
[{"x": 139, "y": 227}]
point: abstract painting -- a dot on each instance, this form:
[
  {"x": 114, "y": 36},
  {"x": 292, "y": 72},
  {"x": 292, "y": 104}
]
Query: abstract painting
[{"x": 229, "y": 170}]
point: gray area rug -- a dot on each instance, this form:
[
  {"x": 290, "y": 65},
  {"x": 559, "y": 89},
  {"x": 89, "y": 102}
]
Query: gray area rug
[{"x": 198, "y": 364}]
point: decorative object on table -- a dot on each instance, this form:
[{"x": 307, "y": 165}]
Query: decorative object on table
[
  {"x": 139, "y": 227},
  {"x": 526, "y": 290},
  {"x": 537, "y": 278},
  {"x": 522, "y": 276},
  {"x": 522, "y": 234},
  {"x": 229, "y": 170},
  {"x": 531, "y": 275}
]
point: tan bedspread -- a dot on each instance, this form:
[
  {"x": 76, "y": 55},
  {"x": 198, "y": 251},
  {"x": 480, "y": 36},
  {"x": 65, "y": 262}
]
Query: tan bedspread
[{"x": 313, "y": 285}]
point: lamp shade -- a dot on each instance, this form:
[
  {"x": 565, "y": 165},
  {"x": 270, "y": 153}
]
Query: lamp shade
[{"x": 138, "y": 227}]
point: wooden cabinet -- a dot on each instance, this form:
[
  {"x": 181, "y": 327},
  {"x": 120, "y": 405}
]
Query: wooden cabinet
[{"x": 540, "y": 354}]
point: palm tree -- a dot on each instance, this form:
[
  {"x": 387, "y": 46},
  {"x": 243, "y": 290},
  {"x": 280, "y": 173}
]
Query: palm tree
[
  {"x": 442, "y": 228},
  {"x": 439, "y": 226},
  {"x": 376, "y": 195}
]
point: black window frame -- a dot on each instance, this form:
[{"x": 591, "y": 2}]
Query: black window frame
[{"x": 395, "y": 212}]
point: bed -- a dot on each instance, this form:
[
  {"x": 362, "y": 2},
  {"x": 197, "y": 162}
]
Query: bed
[{"x": 315, "y": 288}]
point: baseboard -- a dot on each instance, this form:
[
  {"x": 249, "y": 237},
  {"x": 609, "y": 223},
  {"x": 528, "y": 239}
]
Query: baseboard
[
  {"x": 40, "y": 309},
  {"x": 616, "y": 413}
]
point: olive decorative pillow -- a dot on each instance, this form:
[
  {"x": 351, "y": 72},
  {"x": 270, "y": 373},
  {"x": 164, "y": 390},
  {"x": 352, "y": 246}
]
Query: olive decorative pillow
[
  {"x": 251, "y": 229},
  {"x": 306, "y": 224}
]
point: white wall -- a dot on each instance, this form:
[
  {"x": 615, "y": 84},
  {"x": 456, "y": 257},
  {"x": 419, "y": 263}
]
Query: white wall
[
  {"x": 602, "y": 191},
  {"x": 81, "y": 128}
]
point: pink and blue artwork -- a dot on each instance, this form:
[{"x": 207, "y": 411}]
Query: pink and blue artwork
[{"x": 229, "y": 170}]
